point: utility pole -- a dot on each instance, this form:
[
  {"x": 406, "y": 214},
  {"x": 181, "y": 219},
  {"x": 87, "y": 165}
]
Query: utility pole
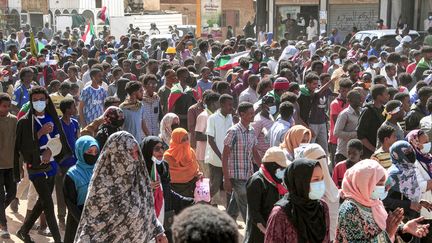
[{"x": 198, "y": 18}]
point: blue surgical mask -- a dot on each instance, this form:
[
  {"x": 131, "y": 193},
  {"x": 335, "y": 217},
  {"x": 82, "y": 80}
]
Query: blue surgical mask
[
  {"x": 39, "y": 105},
  {"x": 280, "y": 173},
  {"x": 426, "y": 148},
  {"x": 379, "y": 193},
  {"x": 272, "y": 110},
  {"x": 317, "y": 190}
]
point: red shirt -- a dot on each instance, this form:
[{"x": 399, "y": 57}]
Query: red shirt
[
  {"x": 339, "y": 173},
  {"x": 411, "y": 67},
  {"x": 336, "y": 107}
]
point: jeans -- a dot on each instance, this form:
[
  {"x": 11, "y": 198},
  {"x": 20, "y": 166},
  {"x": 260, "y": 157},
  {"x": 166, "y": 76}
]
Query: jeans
[
  {"x": 321, "y": 136},
  {"x": 61, "y": 205},
  {"x": 7, "y": 192},
  {"x": 44, "y": 187},
  {"x": 238, "y": 198}
]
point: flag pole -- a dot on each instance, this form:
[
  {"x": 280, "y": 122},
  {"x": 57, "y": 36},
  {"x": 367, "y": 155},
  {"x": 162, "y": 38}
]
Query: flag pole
[{"x": 198, "y": 18}]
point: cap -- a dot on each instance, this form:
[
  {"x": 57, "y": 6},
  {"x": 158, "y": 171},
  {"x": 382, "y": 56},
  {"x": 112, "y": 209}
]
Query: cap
[
  {"x": 281, "y": 83},
  {"x": 171, "y": 50},
  {"x": 275, "y": 155}
]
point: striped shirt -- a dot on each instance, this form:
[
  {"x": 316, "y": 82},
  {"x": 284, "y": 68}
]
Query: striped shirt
[
  {"x": 382, "y": 157},
  {"x": 241, "y": 140},
  {"x": 261, "y": 127}
]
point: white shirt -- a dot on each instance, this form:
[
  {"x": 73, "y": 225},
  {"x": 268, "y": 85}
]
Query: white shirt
[
  {"x": 391, "y": 81},
  {"x": 273, "y": 65},
  {"x": 86, "y": 77},
  {"x": 217, "y": 127},
  {"x": 248, "y": 95},
  {"x": 311, "y": 32}
]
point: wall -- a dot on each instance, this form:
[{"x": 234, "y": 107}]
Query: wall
[
  {"x": 297, "y": 2},
  {"x": 14, "y": 4},
  {"x": 35, "y": 6}
]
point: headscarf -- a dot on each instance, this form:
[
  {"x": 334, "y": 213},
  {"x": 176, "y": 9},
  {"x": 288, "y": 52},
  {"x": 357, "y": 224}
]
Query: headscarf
[
  {"x": 165, "y": 129},
  {"x": 358, "y": 184},
  {"x": 113, "y": 119},
  {"x": 81, "y": 173},
  {"x": 269, "y": 38},
  {"x": 147, "y": 148},
  {"x": 413, "y": 139},
  {"x": 402, "y": 172},
  {"x": 294, "y": 137},
  {"x": 119, "y": 206},
  {"x": 306, "y": 215},
  {"x": 315, "y": 152},
  {"x": 181, "y": 157}
]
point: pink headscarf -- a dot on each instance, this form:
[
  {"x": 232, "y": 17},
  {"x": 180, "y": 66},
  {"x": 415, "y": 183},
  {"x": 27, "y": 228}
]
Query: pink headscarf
[{"x": 359, "y": 183}]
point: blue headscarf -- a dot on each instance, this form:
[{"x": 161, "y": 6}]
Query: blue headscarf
[
  {"x": 402, "y": 172},
  {"x": 81, "y": 173},
  {"x": 269, "y": 38}
]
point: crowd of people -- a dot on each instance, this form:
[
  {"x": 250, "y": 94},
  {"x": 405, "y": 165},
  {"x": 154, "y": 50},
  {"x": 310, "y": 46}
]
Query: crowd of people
[{"x": 307, "y": 141}]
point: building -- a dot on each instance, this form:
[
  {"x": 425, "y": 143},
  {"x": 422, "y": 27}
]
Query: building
[
  {"x": 414, "y": 13},
  {"x": 235, "y": 13}
]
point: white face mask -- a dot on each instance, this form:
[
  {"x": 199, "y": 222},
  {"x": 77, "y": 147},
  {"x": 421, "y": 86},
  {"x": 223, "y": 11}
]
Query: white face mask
[
  {"x": 158, "y": 162},
  {"x": 337, "y": 61},
  {"x": 317, "y": 190},
  {"x": 5, "y": 78},
  {"x": 39, "y": 105},
  {"x": 426, "y": 148},
  {"x": 138, "y": 57},
  {"x": 272, "y": 110},
  {"x": 379, "y": 193},
  {"x": 280, "y": 173}
]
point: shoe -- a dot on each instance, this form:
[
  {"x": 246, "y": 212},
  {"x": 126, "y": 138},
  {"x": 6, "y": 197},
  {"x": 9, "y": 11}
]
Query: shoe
[
  {"x": 45, "y": 232},
  {"x": 24, "y": 237},
  {"x": 14, "y": 205}
]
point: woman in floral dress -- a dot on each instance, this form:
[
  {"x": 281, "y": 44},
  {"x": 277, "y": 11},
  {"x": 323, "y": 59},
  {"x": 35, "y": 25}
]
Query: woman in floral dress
[{"x": 119, "y": 205}]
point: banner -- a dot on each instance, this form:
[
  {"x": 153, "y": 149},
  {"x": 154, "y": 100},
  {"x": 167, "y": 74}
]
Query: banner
[{"x": 211, "y": 13}]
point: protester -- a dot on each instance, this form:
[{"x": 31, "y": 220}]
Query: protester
[
  {"x": 278, "y": 130},
  {"x": 264, "y": 188},
  {"x": 354, "y": 153},
  {"x": 92, "y": 98},
  {"x": 301, "y": 215},
  {"x": 263, "y": 122},
  {"x": 120, "y": 175},
  {"x": 295, "y": 136},
  {"x": 113, "y": 120}
]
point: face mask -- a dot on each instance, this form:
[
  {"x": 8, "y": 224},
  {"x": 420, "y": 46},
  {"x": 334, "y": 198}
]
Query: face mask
[
  {"x": 5, "y": 78},
  {"x": 272, "y": 109},
  {"x": 138, "y": 57},
  {"x": 174, "y": 126},
  {"x": 337, "y": 61},
  {"x": 411, "y": 157},
  {"x": 317, "y": 190},
  {"x": 426, "y": 148},
  {"x": 158, "y": 162},
  {"x": 379, "y": 193},
  {"x": 39, "y": 106},
  {"x": 90, "y": 158},
  {"x": 280, "y": 173}
]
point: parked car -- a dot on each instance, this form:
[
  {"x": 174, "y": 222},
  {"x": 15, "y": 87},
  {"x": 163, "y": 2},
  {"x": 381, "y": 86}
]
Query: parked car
[{"x": 388, "y": 37}]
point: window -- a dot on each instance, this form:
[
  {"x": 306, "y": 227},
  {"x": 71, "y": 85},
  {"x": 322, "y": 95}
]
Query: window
[
  {"x": 230, "y": 17},
  {"x": 98, "y": 3}
]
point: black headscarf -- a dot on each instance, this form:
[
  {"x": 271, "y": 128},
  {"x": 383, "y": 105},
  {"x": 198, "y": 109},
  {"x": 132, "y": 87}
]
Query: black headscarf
[
  {"x": 306, "y": 215},
  {"x": 147, "y": 147}
]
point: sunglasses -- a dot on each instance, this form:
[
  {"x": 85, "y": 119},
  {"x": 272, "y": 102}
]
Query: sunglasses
[{"x": 158, "y": 148}]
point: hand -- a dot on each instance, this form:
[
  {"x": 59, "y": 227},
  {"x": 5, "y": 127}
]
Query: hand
[
  {"x": 261, "y": 228},
  {"x": 227, "y": 185},
  {"x": 46, "y": 128},
  {"x": 200, "y": 175},
  {"x": 415, "y": 206},
  {"x": 426, "y": 205},
  {"x": 46, "y": 156},
  {"x": 416, "y": 229},
  {"x": 393, "y": 220},
  {"x": 161, "y": 238},
  {"x": 154, "y": 185}
]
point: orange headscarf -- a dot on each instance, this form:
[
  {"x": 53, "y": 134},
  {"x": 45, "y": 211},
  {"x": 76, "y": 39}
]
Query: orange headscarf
[
  {"x": 181, "y": 158},
  {"x": 294, "y": 137}
]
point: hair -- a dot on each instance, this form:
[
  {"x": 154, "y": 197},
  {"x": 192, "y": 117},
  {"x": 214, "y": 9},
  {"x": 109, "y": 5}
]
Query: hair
[
  {"x": 116, "y": 71},
  {"x": 133, "y": 86},
  {"x": 401, "y": 96},
  {"x": 91, "y": 62},
  {"x": 145, "y": 79},
  {"x": 39, "y": 90},
  {"x": 345, "y": 83},
  {"x": 94, "y": 72},
  {"x": 202, "y": 45},
  {"x": 385, "y": 131},
  {"x": 378, "y": 78},
  {"x": 4, "y": 97},
  {"x": 244, "y": 106},
  {"x": 222, "y": 85},
  {"x": 405, "y": 79},
  {"x": 110, "y": 101},
  {"x": 378, "y": 90},
  {"x": 420, "y": 84},
  {"x": 355, "y": 144},
  {"x": 263, "y": 84},
  {"x": 66, "y": 104},
  {"x": 324, "y": 76},
  {"x": 352, "y": 67},
  {"x": 429, "y": 104},
  {"x": 388, "y": 66},
  {"x": 225, "y": 97},
  {"x": 182, "y": 71},
  {"x": 316, "y": 63},
  {"x": 288, "y": 96},
  {"x": 189, "y": 61},
  {"x": 424, "y": 92},
  {"x": 392, "y": 91},
  {"x": 24, "y": 71},
  {"x": 311, "y": 77},
  {"x": 393, "y": 58},
  {"x": 426, "y": 49},
  {"x": 286, "y": 109},
  {"x": 211, "y": 98},
  {"x": 204, "y": 223}
]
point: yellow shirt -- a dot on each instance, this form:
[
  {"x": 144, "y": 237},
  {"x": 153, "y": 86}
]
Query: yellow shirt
[{"x": 57, "y": 98}]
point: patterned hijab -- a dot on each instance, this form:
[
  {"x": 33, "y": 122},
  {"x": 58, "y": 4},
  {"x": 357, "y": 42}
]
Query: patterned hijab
[
  {"x": 119, "y": 205},
  {"x": 165, "y": 128},
  {"x": 294, "y": 137},
  {"x": 113, "y": 116},
  {"x": 413, "y": 138},
  {"x": 402, "y": 172},
  {"x": 358, "y": 184}
]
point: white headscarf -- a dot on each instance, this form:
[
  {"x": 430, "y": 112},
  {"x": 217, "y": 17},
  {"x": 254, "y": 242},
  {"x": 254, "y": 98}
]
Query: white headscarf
[{"x": 165, "y": 128}]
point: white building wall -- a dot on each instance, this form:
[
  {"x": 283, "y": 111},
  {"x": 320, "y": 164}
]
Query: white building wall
[
  {"x": 68, "y": 4},
  {"x": 14, "y": 4}
]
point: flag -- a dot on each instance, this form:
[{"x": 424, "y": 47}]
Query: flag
[
  {"x": 158, "y": 192},
  {"x": 177, "y": 92},
  {"x": 227, "y": 62},
  {"x": 33, "y": 47},
  {"x": 103, "y": 15},
  {"x": 40, "y": 46},
  {"x": 89, "y": 33}
]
